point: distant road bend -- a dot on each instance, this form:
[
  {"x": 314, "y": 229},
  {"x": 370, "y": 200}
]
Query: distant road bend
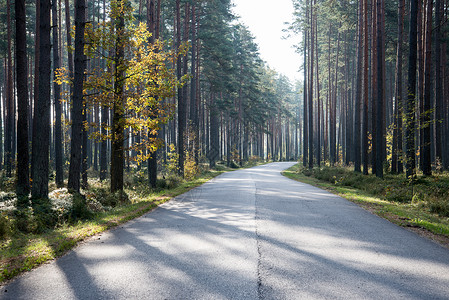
[{"x": 248, "y": 234}]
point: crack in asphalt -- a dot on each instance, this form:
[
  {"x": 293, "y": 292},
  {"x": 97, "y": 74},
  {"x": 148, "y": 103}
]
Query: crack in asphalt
[{"x": 258, "y": 242}]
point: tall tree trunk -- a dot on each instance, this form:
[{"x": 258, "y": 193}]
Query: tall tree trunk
[
  {"x": 9, "y": 121},
  {"x": 328, "y": 95},
  {"x": 77, "y": 102},
  {"x": 57, "y": 102},
  {"x": 445, "y": 108},
  {"x": 181, "y": 100},
  {"x": 421, "y": 48},
  {"x": 310, "y": 104},
  {"x": 348, "y": 106},
  {"x": 374, "y": 86},
  {"x": 438, "y": 85},
  {"x": 2, "y": 88},
  {"x": 214, "y": 133},
  {"x": 152, "y": 161},
  {"x": 365, "y": 89},
  {"x": 36, "y": 82},
  {"x": 85, "y": 151},
  {"x": 104, "y": 143},
  {"x": 410, "y": 105},
  {"x": 333, "y": 121},
  {"x": 193, "y": 90},
  {"x": 426, "y": 164},
  {"x": 318, "y": 130},
  {"x": 380, "y": 92},
  {"x": 396, "y": 165},
  {"x": 41, "y": 140},
  {"x": 104, "y": 126},
  {"x": 306, "y": 91},
  {"x": 69, "y": 37},
  {"x": 118, "y": 110},
  {"x": 23, "y": 177}
]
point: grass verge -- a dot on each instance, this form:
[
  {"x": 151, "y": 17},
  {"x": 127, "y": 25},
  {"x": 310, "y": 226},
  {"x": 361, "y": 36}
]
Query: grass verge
[{"x": 391, "y": 198}]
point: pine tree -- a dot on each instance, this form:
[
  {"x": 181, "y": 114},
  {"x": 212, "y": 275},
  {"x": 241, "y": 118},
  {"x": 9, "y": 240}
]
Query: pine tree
[
  {"x": 77, "y": 98},
  {"x": 23, "y": 177},
  {"x": 41, "y": 129},
  {"x": 410, "y": 104}
]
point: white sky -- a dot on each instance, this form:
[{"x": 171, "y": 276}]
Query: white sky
[{"x": 265, "y": 19}]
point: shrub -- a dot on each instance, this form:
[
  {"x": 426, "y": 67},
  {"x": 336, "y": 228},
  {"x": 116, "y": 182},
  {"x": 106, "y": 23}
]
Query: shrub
[
  {"x": 171, "y": 167},
  {"x": 234, "y": 165},
  {"x": 80, "y": 209},
  {"x": 44, "y": 216},
  {"x": 398, "y": 194},
  {"x": 307, "y": 172},
  {"x": 105, "y": 198},
  {"x": 24, "y": 220},
  {"x": 253, "y": 160},
  {"x": 440, "y": 207},
  {"x": 190, "y": 166},
  {"x": 161, "y": 183},
  {"x": 169, "y": 182},
  {"x": 173, "y": 181}
]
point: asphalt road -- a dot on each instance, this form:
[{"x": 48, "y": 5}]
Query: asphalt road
[{"x": 248, "y": 234}]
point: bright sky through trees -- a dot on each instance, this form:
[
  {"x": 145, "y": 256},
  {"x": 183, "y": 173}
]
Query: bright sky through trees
[{"x": 265, "y": 20}]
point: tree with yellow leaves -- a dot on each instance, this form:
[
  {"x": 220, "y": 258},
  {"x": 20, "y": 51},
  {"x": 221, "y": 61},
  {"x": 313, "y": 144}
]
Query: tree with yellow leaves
[{"x": 137, "y": 77}]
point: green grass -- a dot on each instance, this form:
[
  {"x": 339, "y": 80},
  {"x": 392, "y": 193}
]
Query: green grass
[
  {"x": 423, "y": 208},
  {"x": 20, "y": 252}
]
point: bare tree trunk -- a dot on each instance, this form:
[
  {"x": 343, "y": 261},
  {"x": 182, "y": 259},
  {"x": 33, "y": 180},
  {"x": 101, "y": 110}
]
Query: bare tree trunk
[
  {"x": 365, "y": 89},
  {"x": 41, "y": 140},
  {"x": 380, "y": 93},
  {"x": 396, "y": 165},
  {"x": 57, "y": 102},
  {"x": 152, "y": 161},
  {"x": 23, "y": 177},
  {"x": 374, "y": 86},
  {"x": 410, "y": 105},
  {"x": 118, "y": 111},
  {"x": 306, "y": 96},
  {"x": 77, "y": 102},
  {"x": 2, "y": 89},
  {"x": 103, "y": 128},
  {"x": 426, "y": 164},
  {"x": 328, "y": 96},
  {"x": 318, "y": 150},
  {"x": 214, "y": 133},
  {"x": 36, "y": 82},
  {"x": 310, "y": 104},
  {"x": 419, "y": 110},
  {"x": 193, "y": 82},
  {"x": 9, "y": 121},
  {"x": 438, "y": 85},
  {"x": 333, "y": 112},
  {"x": 181, "y": 100}
]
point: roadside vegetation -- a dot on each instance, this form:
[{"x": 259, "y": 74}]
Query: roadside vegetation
[
  {"x": 45, "y": 231},
  {"x": 422, "y": 205}
]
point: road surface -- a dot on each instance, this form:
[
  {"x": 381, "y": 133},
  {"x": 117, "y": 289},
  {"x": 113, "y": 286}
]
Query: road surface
[{"x": 248, "y": 234}]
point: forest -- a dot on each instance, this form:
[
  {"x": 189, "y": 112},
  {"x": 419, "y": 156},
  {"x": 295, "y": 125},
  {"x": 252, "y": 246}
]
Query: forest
[
  {"x": 376, "y": 83},
  {"x": 101, "y": 98},
  {"x": 98, "y": 89}
]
